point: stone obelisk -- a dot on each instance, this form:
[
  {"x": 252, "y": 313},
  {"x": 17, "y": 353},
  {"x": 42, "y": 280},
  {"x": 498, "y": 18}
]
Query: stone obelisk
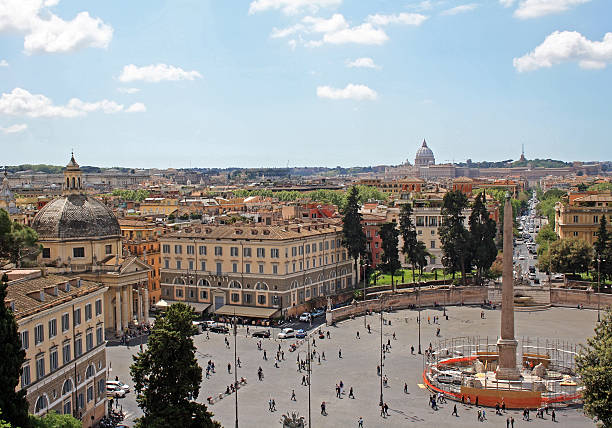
[{"x": 506, "y": 345}]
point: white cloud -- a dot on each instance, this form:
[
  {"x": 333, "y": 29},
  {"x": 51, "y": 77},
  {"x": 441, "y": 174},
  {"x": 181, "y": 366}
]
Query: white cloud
[
  {"x": 279, "y": 33},
  {"x": 567, "y": 46},
  {"x": 364, "y": 34},
  {"x": 460, "y": 9},
  {"x": 506, "y": 3},
  {"x": 536, "y": 8},
  {"x": 20, "y": 102},
  {"x": 350, "y": 92},
  {"x": 46, "y": 32},
  {"x": 14, "y": 129},
  {"x": 136, "y": 108},
  {"x": 291, "y": 7},
  {"x": 128, "y": 90},
  {"x": 401, "y": 18},
  {"x": 422, "y": 5},
  {"x": 322, "y": 25},
  {"x": 4, "y": 63},
  {"x": 362, "y": 63},
  {"x": 156, "y": 73}
]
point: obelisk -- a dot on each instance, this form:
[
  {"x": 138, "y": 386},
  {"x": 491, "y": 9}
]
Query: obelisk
[{"x": 506, "y": 345}]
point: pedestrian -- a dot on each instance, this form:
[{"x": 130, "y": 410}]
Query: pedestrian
[
  {"x": 360, "y": 422},
  {"x": 265, "y": 356},
  {"x": 339, "y": 353},
  {"x": 455, "y": 411},
  {"x": 507, "y": 422},
  {"x": 328, "y": 334},
  {"x": 323, "y": 355},
  {"x": 479, "y": 416},
  {"x": 412, "y": 349},
  {"x": 238, "y": 362},
  {"x": 512, "y": 421},
  {"x": 477, "y": 401},
  {"x": 229, "y": 368},
  {"x": 358, "y": 335},
  {"x": 503, "y": 405},
  {"x": 293, "y": 395},
  {"x": 351, "y": 395},
  {"x": 270, "y": 404},
  {"x": 484, "y": 415},
  {"x": 394, "y": 338},
  {"x": 382, "y": 410},
  {"x": 303, "y": 380},
  {"x": 405, "y": 388},
  {"x": 553, "y": 416},
  {"x": 323, "y": 408},
  {"x": 378, "y": 370},
  {"x": 386, "y": 407},
  {"x": 369, "y": 331},
  {"x": 273, "y": 405}
]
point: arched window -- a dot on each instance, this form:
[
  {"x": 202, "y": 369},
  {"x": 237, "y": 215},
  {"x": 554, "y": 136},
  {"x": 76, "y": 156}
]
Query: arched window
[
  {"x": 294, "y": 284},
  {"x": 41, "y": 403},
  {"x": 90, "y": 371},
  {"x": 332, "y": 274},
  {"x": 320, "y": 278},
  {"x": 73, "y": 182},
  {"x": 67, "y": 387},
  {"x": 178, "y": 280},
  {"x": 203, "y": 283},
  {"x": 308, "y": 281},
  {"x": 79, "y": 181},
  {"x": 235, "y": 284},
  {"x": 261, "y": 286},
  {"x": 344, "y": 271},
  {"x": 67, "y": 183}
]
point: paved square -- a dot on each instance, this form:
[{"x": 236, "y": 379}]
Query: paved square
[{"x": 357, "y": 369}]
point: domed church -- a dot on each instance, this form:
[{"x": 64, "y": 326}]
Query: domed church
[
  {"x": 80, "y": 235},
  {"x": 424, "y": 156}
]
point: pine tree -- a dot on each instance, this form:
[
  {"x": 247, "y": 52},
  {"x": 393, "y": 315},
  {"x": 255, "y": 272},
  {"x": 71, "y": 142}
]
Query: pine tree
[
  {"x": 603, "y": 249},
  {"x": 390, "y": 257},
  {"x": 353, "y": 237},
  {"x": 482, "y": 237},
  {"x": 13, "y": 404},
  {"x": 167, "y": 376},
  {"x": 409, "y": 235},
  {"x": 455, "y": 238}
]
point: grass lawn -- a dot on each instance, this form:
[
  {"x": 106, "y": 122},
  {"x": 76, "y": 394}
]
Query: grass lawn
[{"x": 384, "y": 279}]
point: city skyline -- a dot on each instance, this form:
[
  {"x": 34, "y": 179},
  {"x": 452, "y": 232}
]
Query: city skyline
[{"x": 295, "y": 83}]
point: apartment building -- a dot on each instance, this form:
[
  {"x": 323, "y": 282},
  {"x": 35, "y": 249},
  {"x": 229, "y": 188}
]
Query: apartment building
[
  {"x": 159, "y": 206},
  {"x": 61, "y": 323},
  {"x": 257, "y": 270},
  {"x": 579, "y": 216}
]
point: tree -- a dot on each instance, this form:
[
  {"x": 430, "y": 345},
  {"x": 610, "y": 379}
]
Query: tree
[
  {"x": 353, "y": 237},
  {"x": 603, "y": 249},
  {"x": 409, "y": 235},
  {"x": 482, "y": 237},
  {"x": 594, "y": 364},
  {"x": 17, "y": 241},
  {"x": 570, "y": 256},
  {"x": 12, "y": 403},
  {"x": 390, "y": 257},
  {"x": 167, "y": 376},
  {"x": 421, "y": 255},
  {"x": 455, "y": 239},
  {"x": 55, "y": 420}
]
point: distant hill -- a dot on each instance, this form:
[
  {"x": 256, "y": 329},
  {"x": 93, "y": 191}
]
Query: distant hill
[{"x": 535, "y": 163}]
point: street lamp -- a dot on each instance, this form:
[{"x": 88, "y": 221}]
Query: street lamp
[
  {"x": 599, "y": 260},
  {"x": 309, "y": 372},
  {"x": 419, "y": 316},
  {"x": 381, "y": 351},
  {"x": 235, "y": 367}
]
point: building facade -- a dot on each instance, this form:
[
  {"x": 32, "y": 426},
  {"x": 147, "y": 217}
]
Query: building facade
[
  {"x": 579, "y": 216},
  {"x": 61, "y": 324},
  {"x": 254, "y": 266}
]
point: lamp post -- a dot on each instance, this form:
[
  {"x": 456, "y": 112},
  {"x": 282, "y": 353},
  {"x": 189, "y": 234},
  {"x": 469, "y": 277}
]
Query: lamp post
[
  {"x": 419, "y": 316},
  {"x": 235, "y": 367},
  {"x": 599, "y": 260},
  {"x": 309, "y": 372},
  {"x": 381, "y": 351},
  {"x": 364, "y": 293}
]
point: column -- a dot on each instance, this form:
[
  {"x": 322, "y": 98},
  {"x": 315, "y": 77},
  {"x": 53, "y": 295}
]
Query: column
[
  {"x": 126, "y": 306},
  {"x": 118, "y": 318},
  {"x": 146, "y": 303},
  {"x": 130, "y": 295},
  {"x": 140, "y": 304}
]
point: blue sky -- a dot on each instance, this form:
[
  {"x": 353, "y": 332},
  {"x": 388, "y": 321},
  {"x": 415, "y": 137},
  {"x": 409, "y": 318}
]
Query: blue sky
[{"x": 266, "y": 83}]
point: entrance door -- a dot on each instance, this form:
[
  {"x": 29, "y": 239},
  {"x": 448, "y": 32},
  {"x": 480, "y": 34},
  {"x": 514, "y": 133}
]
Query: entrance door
[{"x": 219, "y": 301}]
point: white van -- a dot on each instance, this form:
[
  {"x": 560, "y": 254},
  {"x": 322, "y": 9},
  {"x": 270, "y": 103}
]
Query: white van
[{"x": 115, "y": 391}]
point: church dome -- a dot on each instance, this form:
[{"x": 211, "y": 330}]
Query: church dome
[
  {"x": 424, "y": 156},
  {"x": 75, "y": 216}
]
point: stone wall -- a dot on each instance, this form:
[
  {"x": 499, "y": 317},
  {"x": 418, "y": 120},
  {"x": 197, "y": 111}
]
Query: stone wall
[
  {"x": 589, "y": 299},
  {"x": 317, "y": 302}
]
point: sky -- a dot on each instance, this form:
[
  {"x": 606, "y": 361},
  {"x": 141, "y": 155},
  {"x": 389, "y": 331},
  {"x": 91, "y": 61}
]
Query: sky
[{"x": 276, "y": 83}]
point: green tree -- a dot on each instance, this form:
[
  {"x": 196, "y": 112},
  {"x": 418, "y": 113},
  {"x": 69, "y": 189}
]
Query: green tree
[
  {"x": 603, "y": 249},
  {"x": 455, "y": 238},
  {"x": 570, "y": 256},
  {"x": 17, "y": 242},
  {"x": 55, "y": 420},
  {"x": 167, "y": 376},
  {"x": 409, "y": 235},
  {"x": 13, "y": 404},
  {"x": 390, "y": 257},
  {"x": 482, "y": 237},
  {"x": 421, "y": 255},
  {"x": 594, "y": 364},
  {"x": 353, "y": 237}
]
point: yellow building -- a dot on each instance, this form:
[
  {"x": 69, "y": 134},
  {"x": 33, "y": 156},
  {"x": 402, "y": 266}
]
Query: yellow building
[
  {"x": 160, "y": 206},
  {"x": 579, "y": 216},
  {"x": 61, "y": 323}
]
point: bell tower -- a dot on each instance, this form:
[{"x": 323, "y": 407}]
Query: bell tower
[{"x": 73, "y": 178}]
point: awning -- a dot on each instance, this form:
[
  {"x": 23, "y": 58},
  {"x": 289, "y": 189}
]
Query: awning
[
  {"x": 198, "y": 307},
  {"x": 162, "y": 304},
  {"x": 247, "y": 311}
]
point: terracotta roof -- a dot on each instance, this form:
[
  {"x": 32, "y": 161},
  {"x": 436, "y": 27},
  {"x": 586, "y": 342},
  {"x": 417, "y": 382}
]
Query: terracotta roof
[{"x": 25, "y": 293}]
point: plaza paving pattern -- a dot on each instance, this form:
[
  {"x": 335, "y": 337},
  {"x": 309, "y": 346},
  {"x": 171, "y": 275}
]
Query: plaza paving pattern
[{"x": 357, "y": 369}]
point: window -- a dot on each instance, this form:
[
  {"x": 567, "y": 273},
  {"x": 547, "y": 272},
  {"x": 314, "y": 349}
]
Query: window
[
  {"x": 575, "y": 219},
  {"x": 234, "y": 251},
  {"x": 167, "y": 264},
  {"x": 301, "y": 250},
  {"x": 261, "y": 252},
  {"x": 293, "y": 251},
  {"x": 246, "y": 298},
  {"x": 595, "y": 219},
  {"x": 178, "y": 249},
  {"x": 40, "y": 367},
  {"x": 98, "y": 307},
  {"x": 46, "y": 253},
  {"x": 246, "y": 252},
  {"x": 89, "y": 340},
  {"x": 178, "y": 264},
  {"x": 432, "y": 244},
  {"x": 39, "y": 334},
  {"x": 234, "y": 267},
  {"x": 166, "y": 249},
  {"x": 575, "y": 233},
  {"x": 41, "y": 403},
  {"x": 293, "y": 265},
  {"x": 219, "y": 268},
  {"x": 67, "y": 407},
  {"x": 433, "y": 231},
  {"x": 218, "y": 251},
  {"x": 314, "y": 248},
  {"x": 101, "y": 387},
  {"x": 52, "y": 328},
  {"x": 261, "y": 299},
  {"x": 81, "y": 400},
  {"x": 327, "y": 245},
  {"x": 88, "y": 315},
  {"x": 307, "y": 248},
  {"x": 25, "y": 376},
  {"x": 66, "y": 352},
  {"x": 420, "y": 221},
  {"x": 190, "y": 249},
  {"x": 190, "y": 264},
  {"x": 179, "y": 292},
  {"x": 274, "y": 253},
  {"x": 53, "y": 362},
  {"x": 301, "y": 265},
  {"x": 203, "y": 265},
  {"x": 202, "y": 250},
  {"x": 203, "y": 294},
  {"x": 235, "y": 297},
  {"x": 25, "y": 339},
  {"x": 247, "y": 268},
  {"x": 89, "y": 393},
  {"x": 108, "y": 249},
  {"x": 77, "y": 316},
  {"x": 99, "y": 335},
  {"x": 275, "y": 269},
  {"x": 261, "y": 268},
  {"x": 78, "y": 346},
  {"x": 78, "y": 252}
]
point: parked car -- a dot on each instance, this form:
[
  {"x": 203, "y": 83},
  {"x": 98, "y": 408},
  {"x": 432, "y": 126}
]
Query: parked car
[
  {"x": 286, "y": 333},
  {"x": 118, "y": 383},
  {"x": 317, "y": 313},
  {"x": 305, "y": 317},
  {"x": 115, "y": 391},
  {"x": 219, "y": 329},
  {"x": 261, "y": 333},
  {"x": 300, "y": 334}
]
